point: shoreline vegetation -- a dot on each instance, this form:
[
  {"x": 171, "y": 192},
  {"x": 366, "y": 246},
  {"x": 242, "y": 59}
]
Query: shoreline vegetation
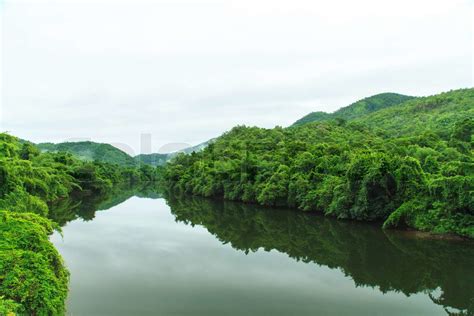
[
  {"x": 409, "y": 165},
  {"x": 406, "y": 231},
  {"x": 405, "y": 162},
  {"x": 33, "y": 277}
]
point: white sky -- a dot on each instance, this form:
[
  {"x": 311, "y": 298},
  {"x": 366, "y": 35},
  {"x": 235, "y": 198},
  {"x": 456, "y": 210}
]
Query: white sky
[{"x": 186, "y": 71}]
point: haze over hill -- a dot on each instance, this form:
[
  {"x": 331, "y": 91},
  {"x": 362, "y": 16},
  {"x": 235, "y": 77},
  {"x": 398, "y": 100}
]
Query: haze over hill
[
  {"x": 92, "y": 151},
  {"x": 259, "y": 67},
  {"x": 89, "y": 151},
  {"x": 361, "y": 110}
]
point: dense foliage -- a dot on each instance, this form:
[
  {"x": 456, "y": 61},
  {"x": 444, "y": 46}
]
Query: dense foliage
[
  {"x": 357, "y": 109},
  {"x": 33, "y": 279},
  {"x": 409, "y": 165}
]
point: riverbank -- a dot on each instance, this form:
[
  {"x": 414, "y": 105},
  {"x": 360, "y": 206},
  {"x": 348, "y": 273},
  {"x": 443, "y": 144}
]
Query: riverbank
[
  {"x": 413, "y": 172},
  {"x": 33, "y": 278}
]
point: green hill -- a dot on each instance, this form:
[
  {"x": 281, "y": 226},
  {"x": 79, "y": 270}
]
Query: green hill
[
  {"x": 357, "y": 109},
  {"x": 408, "y": 165},
  {"x": 91, "y": 151},
  {"x": 437, "y": 114}
]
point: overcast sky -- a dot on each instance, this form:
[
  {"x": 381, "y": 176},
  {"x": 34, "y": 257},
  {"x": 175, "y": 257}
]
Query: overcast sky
[{"x": 186, "y": 71}]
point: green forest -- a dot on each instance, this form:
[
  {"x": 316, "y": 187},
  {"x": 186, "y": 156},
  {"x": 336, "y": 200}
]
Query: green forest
[
  {"x": 408, "y": 164},
  {"x": 33, "y": 278},
  {"x": 399, "y": 161}
]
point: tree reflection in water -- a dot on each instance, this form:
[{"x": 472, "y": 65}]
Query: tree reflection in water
[{"x": 388, "y": 260}]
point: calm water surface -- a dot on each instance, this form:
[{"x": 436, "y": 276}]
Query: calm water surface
[{"x": 148, "y": 256}]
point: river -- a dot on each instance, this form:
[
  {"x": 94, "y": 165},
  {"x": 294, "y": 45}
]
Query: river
[{"x": 147, "y": 255}]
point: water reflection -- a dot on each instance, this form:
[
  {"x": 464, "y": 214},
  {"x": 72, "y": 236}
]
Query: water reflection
[
  {"x": 388, "y": 260},
  {"x": 84, "y": 205}
]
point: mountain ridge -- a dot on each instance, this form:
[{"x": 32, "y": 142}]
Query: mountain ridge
[
  {"x": 357, "y": 109},
  {"x": 160, "y": 159},
  {"x": 90, "y": 151}
]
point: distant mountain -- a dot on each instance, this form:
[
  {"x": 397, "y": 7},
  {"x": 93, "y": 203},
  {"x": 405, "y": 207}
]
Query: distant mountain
[
  {"x": 91, "y": 151},
  {"x": 152, "y": 159},
  {"x": 157, "y": 159},
  {"x": 197, "y": 148},
  {"x": 357, "y": 109}
]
